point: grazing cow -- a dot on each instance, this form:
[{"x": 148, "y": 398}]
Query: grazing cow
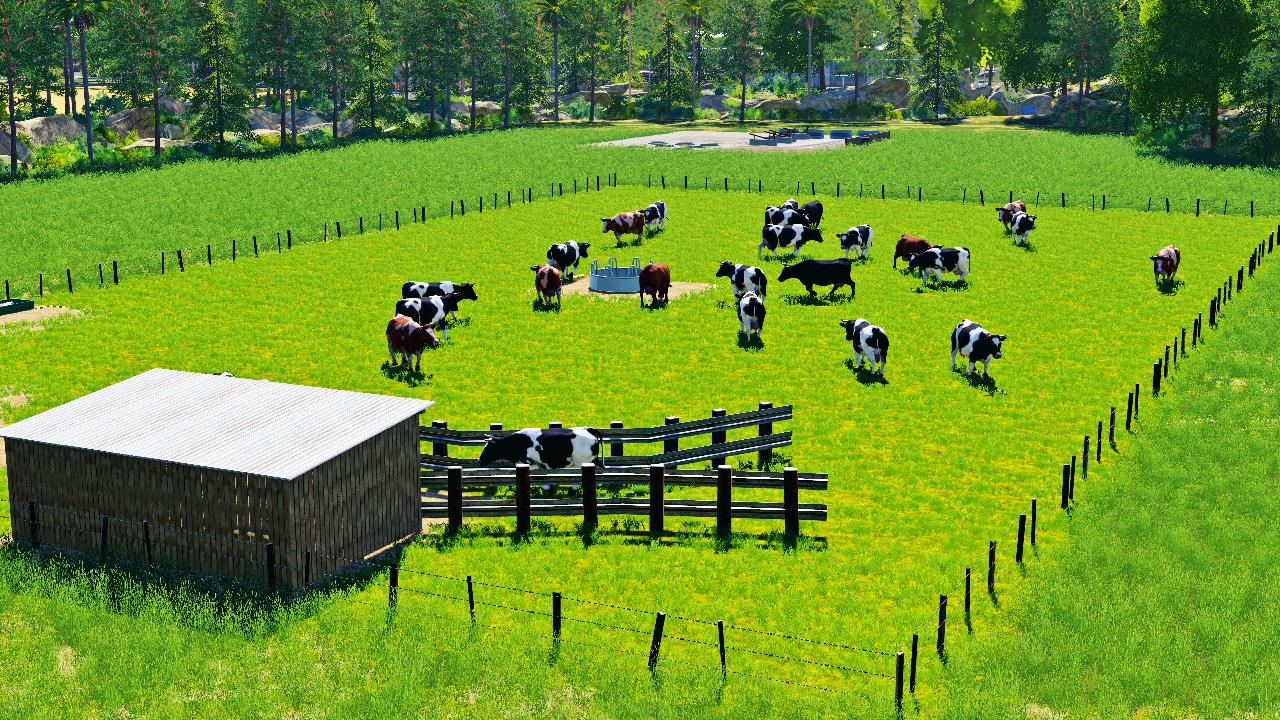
[
  {"x": 655, "y": 216},
  {"x": 1166, "y": 262},
  {"x": 973, "y": 342},
  {"x": 565, "y": 256},
  {"x": 856, "y": 237},
  {"x": 547, "y": 282},
  {"x": 936, "y": 261},
  {"x": 751, "y": 314},
  {"x": 1022, "y": 226},
  {"x": 869, "y": 342},
  {"x": 436, "y": 289},
  {"x": 624, "y": 223},
  {"x": 550, "y": 449},
  {"x": 813, "y": 211},
  {"x": 784, "y": 216},
  {"x": 430, "y": 310},
  {"x": 1005, "y": 214},
  {"x": 745, "y": 278},
  {"x": 407, "y": 337},
  {"x": 820, "y": 272},
  {"x": 787, "y": 236},
  {"x": 908, "y": 246},
  {"x": 791, "y": 204},
  {"x": 655, "y": 279}
]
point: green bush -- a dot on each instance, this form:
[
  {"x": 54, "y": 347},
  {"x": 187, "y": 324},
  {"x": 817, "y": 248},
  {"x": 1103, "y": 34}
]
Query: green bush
[
  {"x": 869, "y": 111},
  {"x": 579, "y": 109},
  {"x": 978, "y": 107},
  {"x": 620, "y": 108},
  {"x": 58, "y": 156},
  {"x": 708, "y": 114}
]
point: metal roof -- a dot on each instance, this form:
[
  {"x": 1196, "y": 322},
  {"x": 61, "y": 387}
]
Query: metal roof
[{"x": 223, "y": 423}]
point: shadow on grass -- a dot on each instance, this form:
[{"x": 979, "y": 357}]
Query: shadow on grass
[
  {"x": 865, "y": 374},
  {"x": 944, "y": 286},
  {"x": 817, "y": 300},
  {"x": 546, "y": 306},
  {"x": 404, "y": 373},
  {"x": 855, "y": 260},
  {"x": 1169, "y": 286},
  {"x": 976, "y": 380},
  {"x": 1028, "y": 246},
  {"x": 747, "y": 341},
  {"x": 634, "y": 242},
  {"x": 655, "y": 305},
  {"x": 783, "y": 259}
]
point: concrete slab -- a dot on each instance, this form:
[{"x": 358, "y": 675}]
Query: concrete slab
[{"x": 714, "y": 140}]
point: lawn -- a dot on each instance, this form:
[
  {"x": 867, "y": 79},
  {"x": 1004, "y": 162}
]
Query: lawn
[
  {"x": 1159, "y": 603},
  {"x": 924, "y": 468},
  {"x": 78, "y": 222}
]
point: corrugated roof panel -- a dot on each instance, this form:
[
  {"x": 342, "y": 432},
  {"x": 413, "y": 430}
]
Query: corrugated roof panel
[{"x": 250, "y": 426}]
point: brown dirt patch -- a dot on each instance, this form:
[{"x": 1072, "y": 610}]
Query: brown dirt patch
[
  {"x": 580, "y": 286},
  {"x": 36, "y": 314}
]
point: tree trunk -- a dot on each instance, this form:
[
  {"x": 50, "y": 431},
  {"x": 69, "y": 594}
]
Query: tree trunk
[
  {"x": 1213, "y": 118},
  {"x": 373, "y": 102},
  {"x": 592, "y": 116},
  {"x": 1266, "y": 123},
  {"x": 88, "y": 112},
  {"x": 284, "y": 107},
  {"x": 555, "y": 69},
  {"x": 1080, "y": 99},
  {"x": 1128, "y": 110},
  {"x": 742, "y": 106},
  {"x": 293, "y": 116},
  {"x": 991, "y": 77},
  {"x": 219, "y": 110},
  {"x": 808, "y": 25},
  {"x": 629, "y": 10},
  {"x": 333, "y": 96},
  {"x": 693, "y": 57},
  {"x": 857, "y": 89},
  {"x": 155, "y": 111},
  {"x": 473, "y": 96},
  {"x": 13, "y": 124},
  {"x": 68, "y": 75}
]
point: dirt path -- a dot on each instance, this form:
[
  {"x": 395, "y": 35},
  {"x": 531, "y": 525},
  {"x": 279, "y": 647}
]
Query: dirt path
[{"x": 40, "y": 312}]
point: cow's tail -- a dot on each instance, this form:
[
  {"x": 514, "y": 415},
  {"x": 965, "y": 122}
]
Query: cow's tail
[{"x": 764, "y": 282}]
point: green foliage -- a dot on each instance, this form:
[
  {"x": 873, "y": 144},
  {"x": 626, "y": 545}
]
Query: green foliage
[
  {"x": 935, "y": 83},
  {"x": 1020, "y": 49},
  {"x": 1262, "y": 75},
  {"x": 899, "y": 52},
  {"x": 978, "y": 107},
  {"x": 1084, "y": 34},
  {"x": 978, "y": 26},
  {"x": 221, "y": 95},
  {"x": 374, "y": 98},
  {"x": 141, "y": 49},
  {"x": 669, "y": 86},
  {"x": 55, "y": 156}
]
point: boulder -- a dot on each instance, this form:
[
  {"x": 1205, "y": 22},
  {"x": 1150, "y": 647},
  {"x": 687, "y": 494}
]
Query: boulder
[
  {"x": 149, "y": 144},
  {"x": 483, "y": 107},
  {"x": 1042, "y": 103},
  {"x": 262, "y": 119},
  {"x": 127, "y": 121},
  {"x": 617, "y": 89},
  {"x": 24, "y": 152},
  {"x": 830, "y": 100},
  {"x": 714, "y": 102},
  {"x": 602, "y": 97},
  {"x": 892, "y": 90},
  {"x": 6, "y": 161},
  {"x": 778, "y": 104},
  {"x": 49, "y": 130},
  {"x": 455, "y": 125},
  {"x": 168, "y": 131}
]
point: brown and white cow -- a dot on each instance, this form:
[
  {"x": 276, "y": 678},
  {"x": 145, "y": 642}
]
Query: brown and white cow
[
  {"x": 655, "y": 279},
  {"x": 624, "y": 223},
  {"x": 406, "y": 337},
  {"x": 546, "y": 281},
  {"x": 909, "y": 245},
  {"x": 1006, "y": 213},
  {"x": 1166, "y": 262}
]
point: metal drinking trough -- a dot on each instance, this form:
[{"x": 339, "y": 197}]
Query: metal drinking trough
[
  {"x": 614, "y": 279},
  {"x": 15, "y": 305}
]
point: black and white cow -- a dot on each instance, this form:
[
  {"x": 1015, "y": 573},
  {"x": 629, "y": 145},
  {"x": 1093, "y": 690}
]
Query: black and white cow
[
  {"x": 1022, "y": 226},
  {"x": 745, "y": 278},
  {"x": 813, "y": 211},
  {"x": 565, "y": 256},
  {"x": 973, "y": 342},
  {"x": 435, "y": 289},
  {"x": 858, "y": 238},
  {"x": 791, "y": 237},
  {"x": 810, "y": 272},
  {"x": 655, "y": 216},
  {"x": 751, "y": 314},
  {"x": 431, "y": 310},
  {"x": 936, "y": 261},
  {"x": 869, "y": 342},
  {"x": 550, "y": 449},
  {"x": 784, "y": 216},
  {"x": 790, "y": 204}
]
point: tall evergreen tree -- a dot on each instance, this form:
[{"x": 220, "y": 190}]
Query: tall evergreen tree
[
  {"x": 271, "y": 45},
  {"x": 336, "y": 25},
  {"x": 861, "y": 28},
  {"x": 375, "y": 98},
  {"x": 220, "y": 94},
  {"x": 590, "y": 19},
  {"x": 1263, "y": 72},
  {"x": 1192, "y": 52},
  {"x": 552, "y": 13},
  {"x": 936, "y": 79},
  {"x": 670, "y": 82},
  {"x": 519, "y": 57},
  {"x": 1084, "y": 35},
  {"x": 809, "y": 12},
  {"x": 694, "y": 12},
  {"x": 1019, "y": 50},
  {"x": 899, "y": 47},
  {"x": 740, "y": 25},
  {"x": 84, "y": 14},
  {"x": 1129, "y": 23}
]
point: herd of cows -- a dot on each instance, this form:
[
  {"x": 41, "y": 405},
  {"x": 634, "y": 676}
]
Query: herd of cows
[{"x": 425, "y": 305}]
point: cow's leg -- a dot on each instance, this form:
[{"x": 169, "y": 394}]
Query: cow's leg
[
  {"x": 859, "y": 354},
  {"x": 417, "y": 365},
  {"x": 971, "y": 367},
  {"x": 986, "y": 365},
  {"x": 953, "y": 359},
  {"x": 392, "y": 351}
]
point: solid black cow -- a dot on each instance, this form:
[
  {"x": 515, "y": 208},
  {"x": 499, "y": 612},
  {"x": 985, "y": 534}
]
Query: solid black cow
[
  {"x": 813, "y": 211},
  {"x": 565, "y": 256},
  {"x": 436, "y": 289},
  {"x": 820, "y": 272},
  {"x": 787, "y": 236},
  {"x": 745, "y": 278},
  {"x": 971, "y": 340},
  {"x": 432, "y": 310},
  {"x": 551, "y": 449}
]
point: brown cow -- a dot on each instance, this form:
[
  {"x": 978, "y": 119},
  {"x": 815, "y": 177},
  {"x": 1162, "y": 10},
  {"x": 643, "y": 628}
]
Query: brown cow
[
  {"x": 655, "y": 279},
  {"x": 407, "y": 337},
  {"x": 1006, "y": 213},
  {"x": 546, "y": 282},
  {"x": 909, "y": 245},
  {"x": 624, "y": 223},
  {"x": 1166, "y": 262}
]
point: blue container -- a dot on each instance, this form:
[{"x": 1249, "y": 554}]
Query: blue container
[{"x": 614, "y": 279}]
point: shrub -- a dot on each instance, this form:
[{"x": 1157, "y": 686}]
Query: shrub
[
  {"x": 579, "y": 108},
  {"x": 869, "y": 111},
  {"x": 58, "y": 156},
  {"x": 620, "y": 108},
  {"x": 105, "y": 105},
  {"x": 978, "y": 107},
  {"x": 708, "y": 114}
]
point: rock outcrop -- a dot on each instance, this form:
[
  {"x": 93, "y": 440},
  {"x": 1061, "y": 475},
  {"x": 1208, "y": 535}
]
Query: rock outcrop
[{"x": 43, "y": 131}]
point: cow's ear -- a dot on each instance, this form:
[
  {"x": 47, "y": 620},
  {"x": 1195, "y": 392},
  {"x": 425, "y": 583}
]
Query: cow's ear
[{"x": 1155, "y": 257}]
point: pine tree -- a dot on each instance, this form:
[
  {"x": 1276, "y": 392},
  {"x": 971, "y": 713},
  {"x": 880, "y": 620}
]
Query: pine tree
[
  {"x": 221, "y": 94},
  {"x": 899, "y": 47},
  {"x": 375, "y": 98},
  {"x": 1263, "y": 72},
  {"x": 670, "y": 82},
  {"x": 936, "y": 80},
  {"x": 20, "y": 21},
  {"x": 740, "y": 25},
  {"x": 142, "y": 51},
  {"x": 336, "y": 40}
]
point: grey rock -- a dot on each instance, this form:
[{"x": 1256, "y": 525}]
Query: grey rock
[{"x": 49, "y": 130}]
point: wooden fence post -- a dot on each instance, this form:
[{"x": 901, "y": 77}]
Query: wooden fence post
[
  {"x": 393, "y": 583},
  {"x": 942, "y": 625},
  {"x": 1072, "y": 493},
  {"x": 764, "y": 457},
  {"x": 555, "y": 615},
  {"x": 1066, "y": 486},
  {"x": 1111, "y": 431},
  {"x": 208, "y": 250},
  {"x": 438, "y": 448},
  {"x": 982, "y": 197},
  {"x": 1128, "y": 414},
  {"x": 471, "y": 599},
  {"x": 115, "y": 273},
  {"x": 1033, "y": 522},
  {"x": 671, "y": 445},
  {"x": 724, "y": 668},
  {"x": 181, "y": 265},
  {"x": 1022, "y": 534},
  {"x": 717, "y": 437},
  {"x": 991, "y": 567},
  {"x": 1137, "y": 394},
  {"x": 615, "y": 448},
  {"x": 724, "y": 501},
  {"x": 455, "y": 498},
  {"x": 655, "y": 645},
  {"x": 968, "y": 590},
  {"x": 1155, "y": 377},
  {"x": 1097, "y": 445},
  {"x": 897, "y": 682},
  {"x": 590, "y": 502},
  {"x": 657, "y": 489},
  {"x": 1084, "y": 459},
  {"x": 522, "y": 498},
  {"x": 915, "y": 652},
  {"x": 791, "y": 503}
]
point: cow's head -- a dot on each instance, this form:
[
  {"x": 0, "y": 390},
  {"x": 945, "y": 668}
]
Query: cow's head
[
  {"x": 997, "y": 341},
  {"x": 1030, "y": 222},
  {"x": 788, "y": 272},
  {"x": 1164, "y": 263},
  {"x": 791, "y": 204},
  {"x": 466, "y": 291},
  {"x": 811, "y": 234},
  {"x": 605, "y": 223},
  {"x": 848, "y": 326},
  {"x": 582, "y": 249},
  {"x": 726, "y": 269}
]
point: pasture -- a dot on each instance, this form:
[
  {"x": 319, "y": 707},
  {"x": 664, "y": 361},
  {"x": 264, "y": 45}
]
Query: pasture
[
  {"x": 925, "y": 467},
  {"x": 78, "y": 222}
]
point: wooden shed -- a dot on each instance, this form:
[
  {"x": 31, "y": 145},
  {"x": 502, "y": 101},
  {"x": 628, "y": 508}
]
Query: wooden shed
[{"x": 248, "y": 479}]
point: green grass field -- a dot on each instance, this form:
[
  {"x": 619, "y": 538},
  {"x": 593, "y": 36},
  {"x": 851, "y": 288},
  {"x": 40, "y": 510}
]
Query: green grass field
[
  {"x": 1158, "y": 603},
  {"x": 81, "y": 221},
  {"x": 924, "y": 469}
]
